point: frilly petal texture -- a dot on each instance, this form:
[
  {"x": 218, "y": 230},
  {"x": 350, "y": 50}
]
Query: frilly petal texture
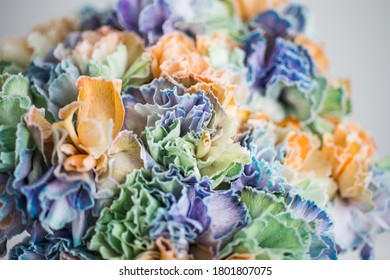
[{"x": 181, "y": 130}]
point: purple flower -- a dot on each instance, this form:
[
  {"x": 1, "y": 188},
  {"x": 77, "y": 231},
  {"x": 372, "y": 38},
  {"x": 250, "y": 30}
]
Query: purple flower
[
  {"x": 163, "y": 101},
  {"x": 151, "y": 19},
  {"x": 272, "y": 23},
  {"x": 201, "y": 221},
  {"x": 285, "y": 62},
  {"x": 284, "y": 72}
]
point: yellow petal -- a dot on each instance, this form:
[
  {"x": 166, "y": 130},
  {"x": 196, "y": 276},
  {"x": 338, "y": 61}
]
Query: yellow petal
[
  {"x": 67, "y": 114},
  {"x": 204, "y": 145},
  {"x": 102, "y": 164},
  {"x": 95, "y": 137},
  {"x": 300, "y": 146},
  {"x": 80, "y": 163},
  {"x": 101, "y": 101}
]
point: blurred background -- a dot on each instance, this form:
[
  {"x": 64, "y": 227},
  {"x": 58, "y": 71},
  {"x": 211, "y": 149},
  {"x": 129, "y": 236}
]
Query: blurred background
[{"x": 355, "y": 34}]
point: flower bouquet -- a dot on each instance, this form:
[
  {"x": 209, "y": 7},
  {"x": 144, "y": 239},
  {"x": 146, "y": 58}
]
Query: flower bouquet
[{"x": 191, "y": 129}]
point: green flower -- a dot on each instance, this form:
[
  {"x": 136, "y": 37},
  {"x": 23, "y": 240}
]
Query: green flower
[
  {"x": 14, "y": 103},
  {"x": 220, "y": 158},
  {"x": 121, "y": 231},
  {"x": 167, "y": 147},
  {"x": 280, "y": 228}
]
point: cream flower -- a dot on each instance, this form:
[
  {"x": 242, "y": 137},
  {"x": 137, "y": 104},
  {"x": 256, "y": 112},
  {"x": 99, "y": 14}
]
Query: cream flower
[
  {"x": 106, "y": 51},
  {"x": 38, "y": 42}
]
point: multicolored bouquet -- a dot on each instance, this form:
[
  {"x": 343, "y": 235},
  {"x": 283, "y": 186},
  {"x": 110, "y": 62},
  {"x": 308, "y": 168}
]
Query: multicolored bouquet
[{"x": 191, "y": 129}]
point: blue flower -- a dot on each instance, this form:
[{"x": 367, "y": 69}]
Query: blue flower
[
  {"x": 57, "y": 199},
  {"x": 55, "y": 84},
  {"x": 44, "y": 246},
  {"x": 285, "y": 72}
]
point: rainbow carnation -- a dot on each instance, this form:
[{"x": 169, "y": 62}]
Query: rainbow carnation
[{"x": 204, "y": 129}]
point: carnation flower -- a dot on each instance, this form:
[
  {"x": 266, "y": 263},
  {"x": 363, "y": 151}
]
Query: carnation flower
[
  {"x": 201, "y": 221},
  {"x": 106, "y": 52},
  {"x": 350, "y": 150},
  {"x": 282, "y": 229},
  {"x": 154, "y": 18},
  {"x": 311, "y": 170},
  {"x": 16, "y": 154},
  {"x": 121, "y": 231},
  {"x": 44, "y": 246},
  {"x": 39, "y": 42},
  {"x": 176, "y": 56},
  {"x": 192, "y": 129},
  {"x": 56, "y": 84},
  {"x": 356, "y": 229},
  {"x": 286, "y": 74}
]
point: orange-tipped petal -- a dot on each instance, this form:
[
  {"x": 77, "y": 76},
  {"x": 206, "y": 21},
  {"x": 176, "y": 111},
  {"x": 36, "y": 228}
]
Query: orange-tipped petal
[{"x": 101, "y": 101}]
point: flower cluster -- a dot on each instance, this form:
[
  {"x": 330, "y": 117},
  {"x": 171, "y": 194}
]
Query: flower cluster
[{"x": 204, "y": 129}]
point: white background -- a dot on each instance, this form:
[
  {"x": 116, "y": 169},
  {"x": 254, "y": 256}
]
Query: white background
[{"x": 355, "y": 34}]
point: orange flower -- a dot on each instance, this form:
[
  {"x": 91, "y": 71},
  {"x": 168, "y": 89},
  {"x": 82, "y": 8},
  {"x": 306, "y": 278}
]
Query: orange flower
[
  {"x": 100, "y": 115},
  {"x": 300, "y": 146},
  {"x": 247, "y": 9},
  {"x": 176, "y": 56},
  {"x": 350, "y": 149},
  {"x": 316, "y": 52},
  {"x": 305, "y": 157}
]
